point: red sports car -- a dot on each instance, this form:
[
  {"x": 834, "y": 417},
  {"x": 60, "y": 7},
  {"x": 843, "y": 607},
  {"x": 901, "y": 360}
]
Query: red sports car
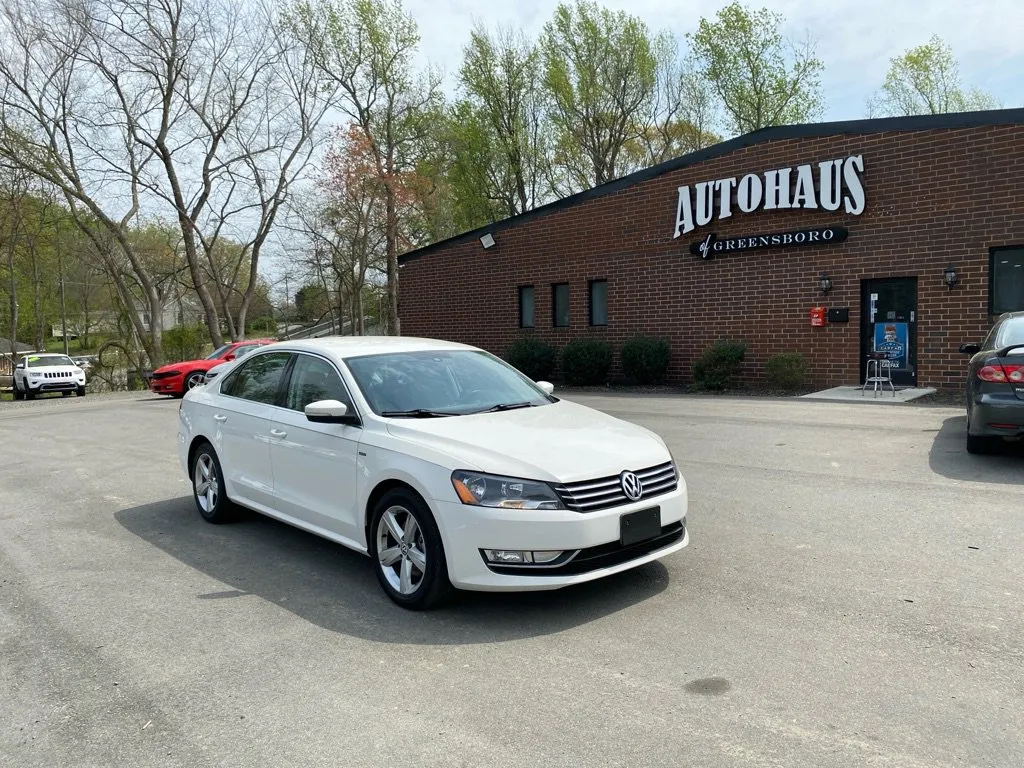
[{"x": 177, "y": 378}]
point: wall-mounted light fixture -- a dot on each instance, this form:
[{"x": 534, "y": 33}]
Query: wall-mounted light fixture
[
  {"x": 825, "y": 283},
  {"x": 950, "y": 276},
  {"x": 487, "y": 240}
]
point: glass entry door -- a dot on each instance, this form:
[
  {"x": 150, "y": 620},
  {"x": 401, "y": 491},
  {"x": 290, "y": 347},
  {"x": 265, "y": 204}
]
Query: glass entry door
[{"x": 888, "y": 325}]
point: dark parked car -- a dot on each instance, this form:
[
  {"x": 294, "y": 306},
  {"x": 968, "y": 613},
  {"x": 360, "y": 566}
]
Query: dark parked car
[{"x": 995, "y": 385}]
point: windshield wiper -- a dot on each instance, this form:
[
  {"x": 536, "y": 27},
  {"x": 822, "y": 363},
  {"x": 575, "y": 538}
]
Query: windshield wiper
[
  {"x": 505, "y": 407},
  {"x": 417, "y": 413}
]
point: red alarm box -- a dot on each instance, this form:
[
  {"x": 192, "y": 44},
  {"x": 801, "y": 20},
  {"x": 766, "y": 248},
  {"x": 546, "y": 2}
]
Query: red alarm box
[{"x": 817, "y": 316}]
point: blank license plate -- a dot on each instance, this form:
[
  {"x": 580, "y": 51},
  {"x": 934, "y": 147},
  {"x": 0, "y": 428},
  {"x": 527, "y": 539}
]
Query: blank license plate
[{"x": 639, "y": 526}]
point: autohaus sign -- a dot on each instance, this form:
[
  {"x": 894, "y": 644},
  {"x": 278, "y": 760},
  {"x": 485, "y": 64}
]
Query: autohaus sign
[{"x": 832, "y": 185}]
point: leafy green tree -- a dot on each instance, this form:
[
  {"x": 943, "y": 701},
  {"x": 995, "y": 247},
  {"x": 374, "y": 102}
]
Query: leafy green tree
[
  {"x": 925, "y": 80},
  {"x": 502, "y": 122},
  {"x": 600, "y": 75},
  {"x": 761, "y": 79},
  {"x": 312, "y": 302}
]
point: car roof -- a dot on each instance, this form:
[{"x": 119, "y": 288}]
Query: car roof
[{"x": 357, "y": 346}]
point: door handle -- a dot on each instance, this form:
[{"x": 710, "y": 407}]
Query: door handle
[
  {"x": 219, "y": 417},
  {"x": 278, "y": 433}
]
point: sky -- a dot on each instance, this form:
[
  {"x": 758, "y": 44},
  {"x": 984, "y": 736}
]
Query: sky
[{"x": 855, "y": 38}]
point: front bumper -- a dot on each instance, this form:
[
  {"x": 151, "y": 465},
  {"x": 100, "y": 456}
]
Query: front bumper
[
  {"x": 172, "y": 385},
  {"x": 41, "y": 386},
  {"x": 592, "y": 536},
  {"x": 998, "y": 414}
]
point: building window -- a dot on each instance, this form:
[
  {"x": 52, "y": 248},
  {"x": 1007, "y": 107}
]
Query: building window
[
  {"x": 526, "y": 306},
  {"x": 599, "y": 302},
  {"x": 560, "y": 305},
  {"x": 1006, "y": 280}
]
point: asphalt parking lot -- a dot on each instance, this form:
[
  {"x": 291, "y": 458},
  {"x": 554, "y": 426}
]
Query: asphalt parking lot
[{"x": 852, "y": 596}]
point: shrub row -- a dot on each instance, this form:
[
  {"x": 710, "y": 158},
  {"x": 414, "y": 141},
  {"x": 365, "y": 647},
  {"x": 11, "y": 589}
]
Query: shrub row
[
  {"x": 645, "y": 359},
  {"x": 720, "y": 366},
  {"x": 587, "y": 362}
]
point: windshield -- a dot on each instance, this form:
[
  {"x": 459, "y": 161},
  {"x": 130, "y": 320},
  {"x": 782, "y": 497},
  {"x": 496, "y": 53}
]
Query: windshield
[
  {"x": 442, "y": 382},
  {"x": 39, "y": 361},
  {"x": 1012, "y": 332},
  {"x": 218, "y": 352}
]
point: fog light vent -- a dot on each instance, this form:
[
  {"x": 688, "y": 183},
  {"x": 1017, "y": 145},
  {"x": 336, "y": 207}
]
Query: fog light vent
[{"x": 521, "y": 557}]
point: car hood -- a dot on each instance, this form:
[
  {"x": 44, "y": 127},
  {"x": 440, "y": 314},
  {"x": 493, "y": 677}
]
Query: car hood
[
  {"x": 187, "y": 366},
  {"x": 561, "y": 442}
]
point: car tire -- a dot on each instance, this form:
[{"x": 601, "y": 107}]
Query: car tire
[
  {"x": 208, "y": 488},
  {"x": 16, "y": 393},
  {"x": 412, "y": 548},
  {"x": 192, "y": 381},
  {"x": 29, "y": 394},
  {"x": 81, "y": 392}
]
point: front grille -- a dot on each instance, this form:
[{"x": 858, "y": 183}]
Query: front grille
[
  {"x": 602, "y": 556},
  {"x": 56, "y": 374},
  {"x": 165, "y": 375},
  {"x": 593, "y": 495}
]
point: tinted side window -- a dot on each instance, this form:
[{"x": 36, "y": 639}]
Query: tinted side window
[
  {"x": 258, "y": 378},
  {"x": 313, "y": 379}
]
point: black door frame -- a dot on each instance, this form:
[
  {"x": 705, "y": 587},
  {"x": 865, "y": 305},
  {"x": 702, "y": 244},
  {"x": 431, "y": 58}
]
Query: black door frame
[{"x": 901, "y": 378}]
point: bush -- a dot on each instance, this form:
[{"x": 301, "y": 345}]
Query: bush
[
  {"x": 645, "y": 359},
  {"x": 786, "y": 371},
  {"x": 719, "y": 366},
  {"x": 586, "y": 362},
  {"x": 185, "y": 342},
  {"x": 532, "y": 357}
]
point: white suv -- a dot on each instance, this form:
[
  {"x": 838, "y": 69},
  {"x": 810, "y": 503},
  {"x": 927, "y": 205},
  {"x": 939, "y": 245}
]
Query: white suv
[{"x": 39, "y": 373}]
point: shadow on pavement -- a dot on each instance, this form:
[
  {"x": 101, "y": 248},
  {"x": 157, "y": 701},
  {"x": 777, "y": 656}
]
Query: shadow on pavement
[
  {"x": 335, "y": 588},
  {"x": 949, "y": 457}
]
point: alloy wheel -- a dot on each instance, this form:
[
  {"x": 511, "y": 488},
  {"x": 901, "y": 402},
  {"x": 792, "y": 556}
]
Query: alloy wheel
[
  {"x": 401, "y": 552},
  {"x": 205, "y": 481},
  {"x": 193, "y": 381}
]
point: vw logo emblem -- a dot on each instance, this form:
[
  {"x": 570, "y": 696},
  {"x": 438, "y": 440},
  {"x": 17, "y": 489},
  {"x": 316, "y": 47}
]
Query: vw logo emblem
[{"x": 631, "y": 485}]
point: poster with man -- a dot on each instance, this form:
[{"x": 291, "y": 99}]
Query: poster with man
[{"x": 891, "y": 339}]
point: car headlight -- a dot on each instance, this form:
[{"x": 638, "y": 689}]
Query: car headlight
[{"x": 482, "y": 490}]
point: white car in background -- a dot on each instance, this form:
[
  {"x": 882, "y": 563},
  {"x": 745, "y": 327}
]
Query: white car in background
[
  {"x": 217, "y": 370},
  {"x": 444, "y": 464},
  {"x": 39, "y": 373}
]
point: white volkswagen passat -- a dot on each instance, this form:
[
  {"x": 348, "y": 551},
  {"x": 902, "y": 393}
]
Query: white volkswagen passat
[{"x": 444, "y": 464}]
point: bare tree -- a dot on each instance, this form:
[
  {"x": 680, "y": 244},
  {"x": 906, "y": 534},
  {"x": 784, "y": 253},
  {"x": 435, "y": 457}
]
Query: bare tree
[
  {"x": 366, "y": 48},
  {"x": 683, "y": 114},
  {"x": 344, "y": 227},
  {"x": 204, "y": 109}
]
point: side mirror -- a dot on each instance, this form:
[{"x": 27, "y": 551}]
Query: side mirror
[
  {"x": 228, "y": 358},
  {"x": 970, "y": 349},
  {"x": 20, "y": 365},
  {"x": 328, "y": 412},
  {"x": 546, "y": 386}
]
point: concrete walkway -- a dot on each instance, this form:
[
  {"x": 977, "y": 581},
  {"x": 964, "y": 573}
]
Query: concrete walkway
[{"x": 856, "y": 394}]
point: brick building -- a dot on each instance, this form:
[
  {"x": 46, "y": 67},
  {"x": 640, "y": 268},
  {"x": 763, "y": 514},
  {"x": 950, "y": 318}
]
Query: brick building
[{"x": 733, "y": 242}]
